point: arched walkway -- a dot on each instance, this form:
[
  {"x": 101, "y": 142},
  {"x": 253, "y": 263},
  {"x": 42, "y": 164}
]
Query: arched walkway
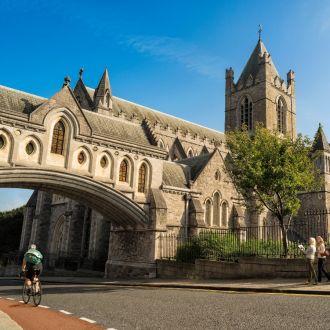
[{"x": 102, "y": 198}]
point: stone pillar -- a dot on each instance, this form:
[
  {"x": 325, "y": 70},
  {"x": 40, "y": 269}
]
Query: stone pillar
[
  {"x": 26, "y": 228},
  {"x": 131, "y": 254}
]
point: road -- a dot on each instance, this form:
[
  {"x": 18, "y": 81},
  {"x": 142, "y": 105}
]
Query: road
[{"x": 147, "y": 308}]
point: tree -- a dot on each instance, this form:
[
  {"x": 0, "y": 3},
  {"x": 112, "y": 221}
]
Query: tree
[{"x": 270, "y": 170}]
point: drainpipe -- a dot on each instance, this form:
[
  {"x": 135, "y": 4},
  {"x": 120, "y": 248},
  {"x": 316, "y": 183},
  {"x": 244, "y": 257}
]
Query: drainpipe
[{"x": 187, "y": 198}]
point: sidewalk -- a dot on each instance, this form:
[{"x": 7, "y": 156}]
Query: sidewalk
[
  {"x": 6, "y": 323},
  {"x": 277, "y": 285}
]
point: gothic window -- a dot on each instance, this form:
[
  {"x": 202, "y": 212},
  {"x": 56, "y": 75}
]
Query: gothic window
[
  {"x": 246, "y": 113},
  {"x": 142, "y": 178},
  {"x": 190, "y": 153},
  {"x": 224, "y": 214},
  {"x": 161, "y": 144},
  {"x": 216, "y": 209},
  {"x": 123, "y": 171},
  {"x": 58, "y": 236},
  {"x": 280, "y": 116},
  {"x": 81, "y": 157},
  {"x": 58, "y": 138},
  {"x": 208, "y": 211}
]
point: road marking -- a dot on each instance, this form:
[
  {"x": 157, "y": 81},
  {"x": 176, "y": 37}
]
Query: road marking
[
  {"x": 43, "y": 306},
  {"x": 111, "y": 329},
  {"x": 21, "y": 301},
  {"x": 10, "y": 298},
  {"x": 87, "y": 320},
  {"x": 65, "y": 312}
]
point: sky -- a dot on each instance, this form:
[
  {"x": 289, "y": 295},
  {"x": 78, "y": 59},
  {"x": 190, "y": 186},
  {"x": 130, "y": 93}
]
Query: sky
[{"x": 168, "y": 55}]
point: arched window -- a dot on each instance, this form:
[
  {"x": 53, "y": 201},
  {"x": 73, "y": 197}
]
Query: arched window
[
  {"x": 58, "y": 138},
  {"x": 123, "y": 171},
  {"x": 280, "y": 116},
  {"x": 246, "y": 113},
  {"x": 2, "y": 141},
  {"x": 208, "y": 212},
  {"x": 216, "y": 209},
  {"x": 81, "y": 157},
  {"x": 142, "y": 178},
  {"x": 190, "y": 153},
  {"x": 224, "y": 214},
  {"x": 58, "y": 235}
]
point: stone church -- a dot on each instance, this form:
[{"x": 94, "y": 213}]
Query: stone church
[{"x": 173, "y": 169}]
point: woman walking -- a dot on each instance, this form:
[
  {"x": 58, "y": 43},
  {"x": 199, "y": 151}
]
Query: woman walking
[
  {"x": 310, "y": 256},
  {"x": 321, "y": 258}
]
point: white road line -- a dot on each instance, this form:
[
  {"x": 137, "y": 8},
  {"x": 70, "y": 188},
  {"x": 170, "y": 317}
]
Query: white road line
[
  {"x": 43, "y": 306},
  {"x": 65, "y": 312},
  {"x": 21, "y": 301},
  {"x": 10, "y": 298},
  {"x": 111, "y": 329},
  {"x": 87, "y": 320}
]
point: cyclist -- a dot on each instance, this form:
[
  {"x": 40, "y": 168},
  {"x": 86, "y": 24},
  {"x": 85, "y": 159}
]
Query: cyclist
[{"x": 32, "y": 265}]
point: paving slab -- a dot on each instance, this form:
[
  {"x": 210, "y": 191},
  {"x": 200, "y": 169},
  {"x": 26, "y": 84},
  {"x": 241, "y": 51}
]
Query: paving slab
[{"x": 6, "y": 323}]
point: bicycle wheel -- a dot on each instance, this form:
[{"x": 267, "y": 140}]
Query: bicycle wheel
[
  {"x": 37, "y": 293},
  {"x": 25, "y": 295}
]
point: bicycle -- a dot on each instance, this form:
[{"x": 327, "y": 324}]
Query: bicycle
[{"x": 34, "y": 291}]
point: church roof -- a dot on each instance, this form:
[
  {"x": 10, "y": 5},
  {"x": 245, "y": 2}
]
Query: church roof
[
  {"x": 196, "y": 164},
  {"x": 106, "y": 126},
  {"x": 18, "y": 101},
  {"x": 252, "y": 65},
  {"x": 175, "y": 175},
  {"x": 320, "y": 141},
  {"x": 131, "y": 109}
]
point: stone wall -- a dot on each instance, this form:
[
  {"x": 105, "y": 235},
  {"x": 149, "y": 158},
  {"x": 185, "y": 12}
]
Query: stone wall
[{"x": 244, "y": 268}]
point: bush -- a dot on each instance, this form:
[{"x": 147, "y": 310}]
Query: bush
[{"x": 217, "y": 246}]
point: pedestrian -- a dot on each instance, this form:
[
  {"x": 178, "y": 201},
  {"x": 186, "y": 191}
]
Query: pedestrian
[
  {"x": 310, "y": 257},
  {"x": 321, "y": 258}
]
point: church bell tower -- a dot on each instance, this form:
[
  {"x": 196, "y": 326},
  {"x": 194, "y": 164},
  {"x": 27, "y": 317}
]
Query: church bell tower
[{"x": 260, "y": 95}]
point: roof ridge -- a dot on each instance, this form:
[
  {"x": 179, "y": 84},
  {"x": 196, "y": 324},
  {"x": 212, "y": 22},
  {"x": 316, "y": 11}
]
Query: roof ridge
[
  {"x": 163, "y": 113},
  {"x": 22, "y": 92}
]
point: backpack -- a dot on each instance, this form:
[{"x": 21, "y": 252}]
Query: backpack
[{"x": 32, "y": 259}]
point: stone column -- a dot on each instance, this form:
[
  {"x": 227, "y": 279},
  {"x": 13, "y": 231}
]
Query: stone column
[{"x": 26, "y": 228}]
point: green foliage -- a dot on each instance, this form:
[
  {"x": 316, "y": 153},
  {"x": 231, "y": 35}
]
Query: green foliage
[
  {"x": 271, "y": 169},
  {"x": 11, "y": 226},
  {"x": 227, "y": 247}
]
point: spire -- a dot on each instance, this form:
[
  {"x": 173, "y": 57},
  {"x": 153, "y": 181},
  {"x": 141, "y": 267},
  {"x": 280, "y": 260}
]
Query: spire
[
  {"x": 252, "y": 66},
  {"x": 103, "y": 94},
  {"x": 320, "y": 141}
]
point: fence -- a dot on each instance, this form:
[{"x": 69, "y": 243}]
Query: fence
[{"x": 230, "y": 244}]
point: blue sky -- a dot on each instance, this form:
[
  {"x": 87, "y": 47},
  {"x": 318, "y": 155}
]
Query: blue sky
[{"x": 168, "y": 55}]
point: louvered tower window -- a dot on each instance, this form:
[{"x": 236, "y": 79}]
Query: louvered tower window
[
  {"x": 123, "y": 171},
  {"x": 58, "y": 138},
  {"x": 246, "y": 113},
  {"x": 142, "y": 178}
]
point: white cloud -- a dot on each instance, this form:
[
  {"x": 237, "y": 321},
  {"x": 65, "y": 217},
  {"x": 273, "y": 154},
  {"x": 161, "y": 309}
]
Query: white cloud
[{"x": 179, "y": 51}]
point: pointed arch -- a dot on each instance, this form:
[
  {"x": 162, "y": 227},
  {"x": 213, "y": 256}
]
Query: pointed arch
[
  {"x": 190, "y": 153},
  {"x": 123, "y": 170},
  {"x": 142, "y": 178},
  {"x": 224, "y": 214},
  {"x": 58, "y": 237},
  {"x": 208, "y": 212},
  {"x": 246, "y": 112},
  {"x": 281, "y": 114},
  {"x": 58, "y": 138},
  {"x": 216, "y": 209}
]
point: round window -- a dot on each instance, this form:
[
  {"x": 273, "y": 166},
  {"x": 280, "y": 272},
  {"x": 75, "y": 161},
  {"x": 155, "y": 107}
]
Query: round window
[
  {"x": 2, "y": 141},
  {"x": 81, "y": 157},
  {"x": 30, "y": 147},
  {"x": 104, "y": 162}
]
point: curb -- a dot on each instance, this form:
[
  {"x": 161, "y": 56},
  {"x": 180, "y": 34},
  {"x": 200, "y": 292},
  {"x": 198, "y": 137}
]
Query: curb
[{"x": 200, "y": 287}]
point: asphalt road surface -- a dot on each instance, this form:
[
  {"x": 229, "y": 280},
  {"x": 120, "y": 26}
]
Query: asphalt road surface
[{"x": 147, "y": 308}]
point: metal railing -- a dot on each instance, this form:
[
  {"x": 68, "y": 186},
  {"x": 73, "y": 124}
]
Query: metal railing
[{"x": 232, "y": 243}]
